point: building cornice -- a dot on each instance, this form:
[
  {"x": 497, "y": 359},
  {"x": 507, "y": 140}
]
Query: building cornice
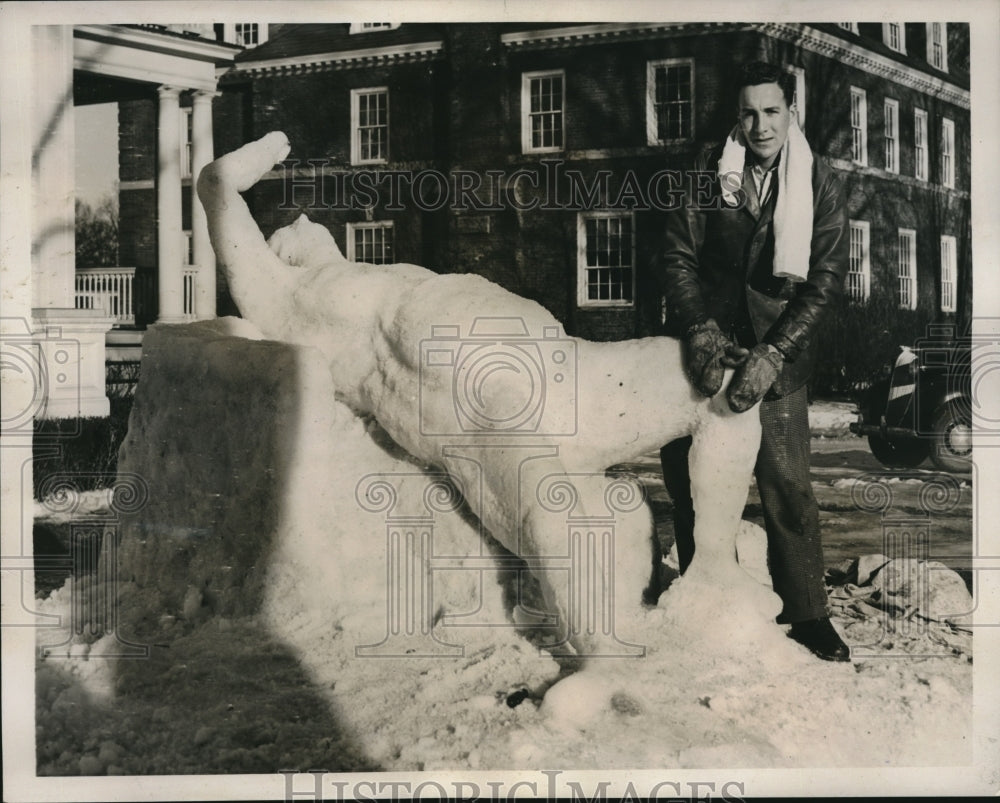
[
  {"x": 573, "y": 35},
  {"x": 805, "y": 36},
  {"x": 864, "y": 59},
  {"x": 320, "y": 62}
]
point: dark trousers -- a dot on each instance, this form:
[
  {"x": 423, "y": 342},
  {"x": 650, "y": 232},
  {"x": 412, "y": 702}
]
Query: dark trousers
[{"x": 791, "y": 515}]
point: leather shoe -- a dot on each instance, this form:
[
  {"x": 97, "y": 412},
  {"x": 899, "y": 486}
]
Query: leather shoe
[{"x": 820, "y": 637}]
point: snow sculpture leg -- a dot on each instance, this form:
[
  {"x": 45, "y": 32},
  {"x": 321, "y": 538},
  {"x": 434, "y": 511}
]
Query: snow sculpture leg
[
  {"x": 372, "y": 323},
  {"x": 721, "y": 461}
]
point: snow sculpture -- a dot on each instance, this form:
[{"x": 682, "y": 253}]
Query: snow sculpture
[{"x": 487, "y": 385}]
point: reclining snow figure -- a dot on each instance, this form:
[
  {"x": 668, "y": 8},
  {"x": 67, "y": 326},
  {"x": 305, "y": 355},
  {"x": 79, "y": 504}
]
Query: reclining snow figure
[{"x": 479, "y": 418}]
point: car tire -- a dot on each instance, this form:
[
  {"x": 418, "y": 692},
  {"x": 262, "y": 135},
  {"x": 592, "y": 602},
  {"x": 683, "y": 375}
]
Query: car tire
[
  {"x": 898, "y": 453},
  {"x": 951, "y": 445}
]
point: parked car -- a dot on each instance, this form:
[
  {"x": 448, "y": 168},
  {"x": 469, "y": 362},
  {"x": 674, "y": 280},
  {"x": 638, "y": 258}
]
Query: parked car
[{"x": 922, "y": 409}]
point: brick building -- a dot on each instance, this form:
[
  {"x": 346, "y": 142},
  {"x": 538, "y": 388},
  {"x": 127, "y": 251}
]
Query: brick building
[{"x": 538, "y": 155}]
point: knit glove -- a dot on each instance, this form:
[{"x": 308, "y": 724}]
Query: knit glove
[
  {"x": 754, "y": 378},
  {"x": 707, "y": 354}
]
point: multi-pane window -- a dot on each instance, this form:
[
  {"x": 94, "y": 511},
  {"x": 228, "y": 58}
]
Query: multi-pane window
[
  {"x": 606, "y": 257},
  {"x": 937, "y": 45},
  {"x": 907, "y": 268},
  {"x": 892, "y": 135},
  {"x": 543, "y": 101},
  {"x": 859, "y": 125},
  {"x": 849, "y": 26},
  {"x": 370, "y": 242},
  {"x": 669, "y": 100},
  {"x": 370, "y": 125},
  {"x": 949, "y": 273},
  {"x": 247, "y": 33},
  {"x": 920, "y": 151},
  {"x": 948, "y": 152},
  {"x": 859, "y": 263},
  {"x": 894, "y": 35}
]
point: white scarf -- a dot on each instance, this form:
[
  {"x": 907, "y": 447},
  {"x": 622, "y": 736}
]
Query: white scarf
[{"x": 793, "y": 211}]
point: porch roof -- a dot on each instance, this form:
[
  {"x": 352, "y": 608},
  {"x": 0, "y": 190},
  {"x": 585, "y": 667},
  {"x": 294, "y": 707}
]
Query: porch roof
[{"x": 149, "y": 56}]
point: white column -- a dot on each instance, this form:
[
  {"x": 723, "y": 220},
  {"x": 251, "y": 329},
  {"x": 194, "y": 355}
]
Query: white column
[
  {"x": 170, "y": 240},
  {"x": 53, "y": 229},
  {"x": 202, "y": 152}
]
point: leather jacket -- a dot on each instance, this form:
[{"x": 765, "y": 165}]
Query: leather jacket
[{"x": 716, "y": 262}]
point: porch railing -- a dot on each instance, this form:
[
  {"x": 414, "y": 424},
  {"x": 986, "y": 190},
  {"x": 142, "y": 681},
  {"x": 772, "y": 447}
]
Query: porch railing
[
  {"x": 190, "y": 276},
  {"x": 110, "y": 289},
  {"x": 125, "y": 297}
]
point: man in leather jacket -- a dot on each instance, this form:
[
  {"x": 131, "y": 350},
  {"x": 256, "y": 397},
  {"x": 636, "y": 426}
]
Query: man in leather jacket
[{"x": 731, "y": 311}]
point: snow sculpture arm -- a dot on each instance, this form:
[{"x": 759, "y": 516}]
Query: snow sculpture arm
[{"x": 262, "y": 278}]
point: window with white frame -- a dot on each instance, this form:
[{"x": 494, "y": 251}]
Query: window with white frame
[
  {"x": 370, "y": 125},
  {"x": 368, "y": 27},
  {"x": 606, "y": 259},
  {"x": 186, "y": 141},
  {"x": 892, "y": 135},
  {"x": 948, "y": 152},
  {"x": 949, "y": 273},
  {"x": 188, "y": 245},
  {"x": 920, "y": 151},
  {"x": 799, "y": 94},
  {"x": 247, "y": 34},
  {"x": 894, "y": 35},
  {"x": 849, "y": 26},
  {"x": 937, "y": 45},
  {"x": 370, "y": 242},
  {"x": 543, "y": 101},
  {"x": 859, "y": 125},
  {"x": 907, "y": 268},
  {"x": 859, "y": 261},
  {"x": 669, "y": 101}
]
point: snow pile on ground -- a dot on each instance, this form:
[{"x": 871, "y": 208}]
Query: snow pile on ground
[
  {"x": 262, "y": 562},
  {"x": 905, "y": 587}
]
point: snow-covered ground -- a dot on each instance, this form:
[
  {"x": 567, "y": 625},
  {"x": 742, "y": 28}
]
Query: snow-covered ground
[
  {"x": 831, "y": 419},
  {"x": 229, "y": 695}
]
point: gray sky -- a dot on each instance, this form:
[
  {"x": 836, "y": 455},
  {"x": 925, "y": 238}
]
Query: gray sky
[{"x": 96, "y": 151}]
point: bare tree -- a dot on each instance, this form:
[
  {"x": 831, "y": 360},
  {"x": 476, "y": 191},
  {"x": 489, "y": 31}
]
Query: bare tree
[{"x": 97, "y": 233}]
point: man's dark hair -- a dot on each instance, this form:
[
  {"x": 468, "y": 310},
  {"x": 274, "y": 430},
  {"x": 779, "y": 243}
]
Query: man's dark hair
[{"x": 762, "y": 72}]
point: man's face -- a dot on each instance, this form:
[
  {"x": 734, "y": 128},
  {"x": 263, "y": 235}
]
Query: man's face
[{"x": 764, "y": 117}]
